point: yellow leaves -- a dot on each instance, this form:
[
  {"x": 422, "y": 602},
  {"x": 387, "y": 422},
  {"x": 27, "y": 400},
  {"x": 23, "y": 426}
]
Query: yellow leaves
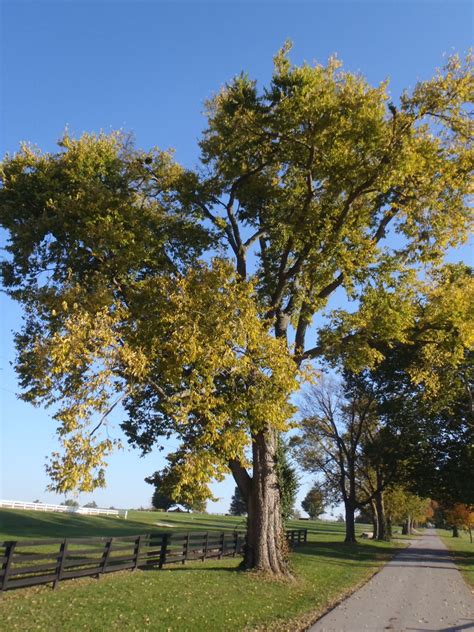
[
  {"x": 80, "y": 467},
  {"x": 200, "y": 345}
]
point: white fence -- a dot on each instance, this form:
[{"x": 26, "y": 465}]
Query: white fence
[{"x": 89, "y": 511}]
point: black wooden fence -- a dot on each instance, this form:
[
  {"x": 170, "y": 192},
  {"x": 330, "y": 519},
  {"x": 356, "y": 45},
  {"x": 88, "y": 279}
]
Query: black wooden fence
[{"x": 34, "y": 562}]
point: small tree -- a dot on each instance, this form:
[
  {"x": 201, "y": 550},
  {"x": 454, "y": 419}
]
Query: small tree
[
  {"x": 405, "y": 508},
  {"x": 161, "y": 499},
  {"x": 238, "y": 506},
  {"x": 91, "y": 505},
  {"x": 313, "y": 503},
  {"x": 460, "y": 515},
  {"x": 69, "y": 502},
  {"x": 287, "y": 481}
]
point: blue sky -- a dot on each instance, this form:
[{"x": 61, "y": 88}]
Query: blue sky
[{"x": 148, "y": 67}]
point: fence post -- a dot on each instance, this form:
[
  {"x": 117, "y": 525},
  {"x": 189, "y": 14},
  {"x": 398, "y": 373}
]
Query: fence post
[
  {"x": 206, "y": 546},
  {"x": 9, "y": 549},
  {"x": 236, "y": 541},
  {"x": 136, "y": 553},
  {"x": 61, "y": 561},
  {"x": 105, "y": 556},
  {"x": 164, "y": 545},
  {"x": 221, "y": 547},
  {"x": 305, "y": 536},
  {"x": 185, "y": 548}
]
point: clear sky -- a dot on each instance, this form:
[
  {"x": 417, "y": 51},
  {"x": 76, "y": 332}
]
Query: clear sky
[{"x": 147, "y": 67}]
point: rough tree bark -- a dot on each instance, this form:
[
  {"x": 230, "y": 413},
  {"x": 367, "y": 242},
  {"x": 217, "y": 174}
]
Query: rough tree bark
[
  {"x": 350, "y": 522},
  {"x": 382, "y": 521},
  {"x": 266, "y": 548},
  {"x": 375, "y": 520}
]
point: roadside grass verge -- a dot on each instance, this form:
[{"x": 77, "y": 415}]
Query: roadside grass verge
[
  {"x": 210, "y": 596},
  {"x": 463, "y": 552}
]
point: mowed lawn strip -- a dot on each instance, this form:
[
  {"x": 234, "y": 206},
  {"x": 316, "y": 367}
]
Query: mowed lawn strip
[
  {"x": 463, "y": 552},
  {"x": 210, "y": 596}
]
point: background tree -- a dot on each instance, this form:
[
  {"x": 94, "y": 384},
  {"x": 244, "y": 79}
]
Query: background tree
[
  {"x": 91, "y": 505},
  {"x": 422, "y": 389},
  {"x": 460, "y": 516},
  {"x": 313, "y": 502},
  {"x": 288, "y": 480},
  {"x": 238, "y": 506},
  {"x": 364, "y": 515},
  {"x": 161, "y": 499},
  {"x": 331, "y": 442},
  {"x": 308, "y": 175},
  {"x": 70, "y": 502},
  {"x": 405, "y": 508}
]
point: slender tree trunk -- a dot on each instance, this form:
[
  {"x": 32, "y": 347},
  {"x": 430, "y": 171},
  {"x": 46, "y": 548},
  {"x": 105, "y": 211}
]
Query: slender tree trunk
[
  {"x": 266, "y": 547},
  {"x": 455, "y": 532},
  {"x": 375, "y": 520},
  {"x": 350, "y": 522},
  {"x": 406, "y": 528},
  {"x": 389, "y": 528},
  {"x": 470, "y": 534},
  {"x": 382, "y": 523}
]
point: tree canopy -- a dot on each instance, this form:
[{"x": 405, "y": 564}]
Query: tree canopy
[
  {"x": 314, "y": 501},
  {"x": 138, "y": 281}
]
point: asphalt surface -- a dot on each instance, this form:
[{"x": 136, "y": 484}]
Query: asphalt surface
[{"x": 420, "y": 590}]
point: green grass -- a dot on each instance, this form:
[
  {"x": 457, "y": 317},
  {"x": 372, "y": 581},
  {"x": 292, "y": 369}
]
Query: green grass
[
  {"x": 21, "y": 525},
  {"x": 463, "y": 552},
  {"x": 210, "y": 596}
]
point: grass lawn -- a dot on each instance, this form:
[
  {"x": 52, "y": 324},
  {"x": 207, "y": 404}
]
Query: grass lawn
[
  {"x": 463, "y": 552},
  {"x": 210, "y": 596}
]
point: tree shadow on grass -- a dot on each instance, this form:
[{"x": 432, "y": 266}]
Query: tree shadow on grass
[
  {"x": 464, "y": 560},
  {"x": 341, "y": 554},
  {"x": 17, "y": 525}
]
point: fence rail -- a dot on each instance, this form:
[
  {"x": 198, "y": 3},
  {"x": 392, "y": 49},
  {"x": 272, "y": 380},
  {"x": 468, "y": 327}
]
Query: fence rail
[
  {"x": 35, "y": 562},
  {"x": 88, "y": 511}
]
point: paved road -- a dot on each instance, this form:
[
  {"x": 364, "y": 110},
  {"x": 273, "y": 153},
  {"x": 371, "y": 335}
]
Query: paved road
[{"x": 420, "y": 590}]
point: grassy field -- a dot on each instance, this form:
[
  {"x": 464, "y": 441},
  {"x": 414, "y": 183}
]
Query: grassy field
[
  {"x": 210, "y": 596},
  {"x": 463, "y": 552}
]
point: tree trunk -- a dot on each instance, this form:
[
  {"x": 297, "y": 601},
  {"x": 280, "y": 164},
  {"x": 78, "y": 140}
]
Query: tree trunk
[
  {"x": 406, "y": 528},
  {"x": 382, "y": 522},
  {"x": 375, "y": 520},
  {"x": 350, "y": 523},
  {"x": 455, "y": 532},
  {"x": 266, "y": 548},
  {"x": 389, "y": 528}
]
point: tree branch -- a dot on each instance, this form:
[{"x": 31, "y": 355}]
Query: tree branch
[{"x": 241, "y": 477}]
